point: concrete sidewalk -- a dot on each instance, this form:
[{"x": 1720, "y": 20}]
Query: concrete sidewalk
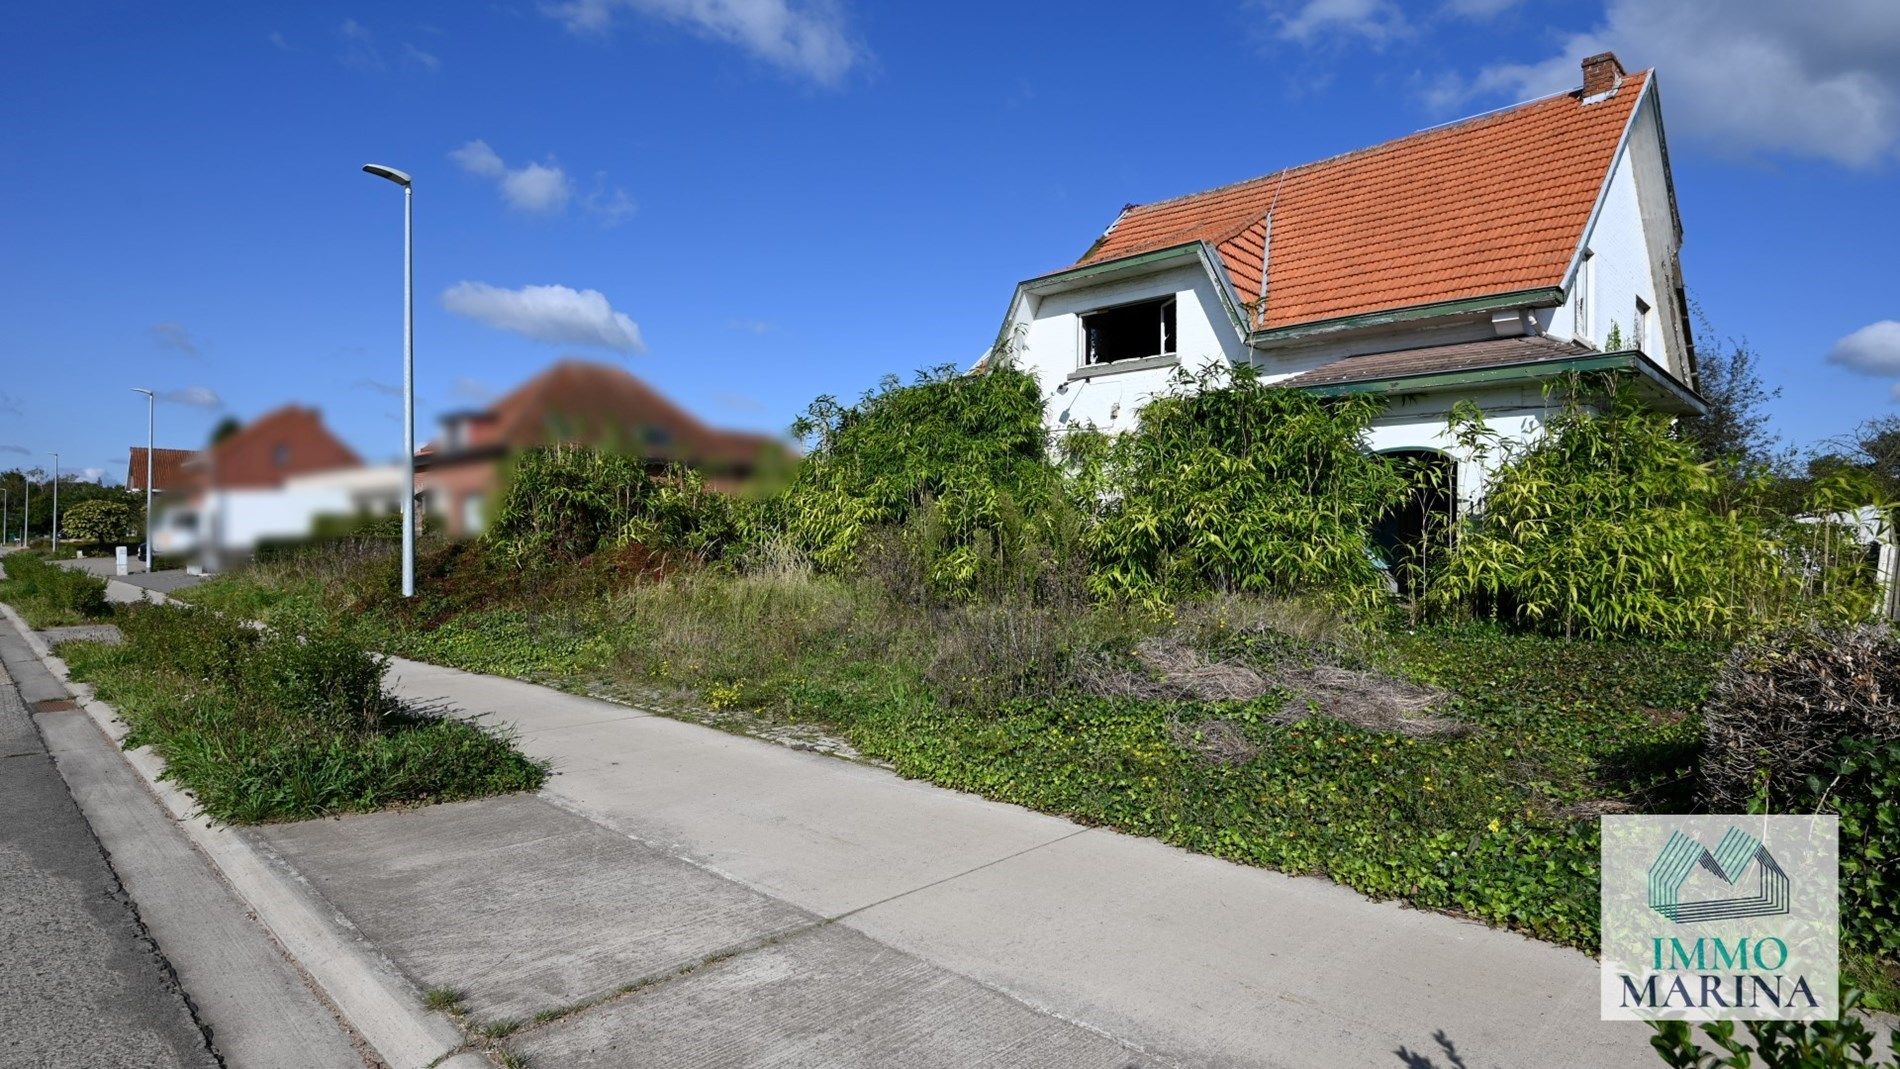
[{"x": 763, "y": 906}]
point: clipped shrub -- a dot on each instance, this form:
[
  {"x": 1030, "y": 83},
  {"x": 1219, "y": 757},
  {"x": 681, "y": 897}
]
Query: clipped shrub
[
  {"x": 1229, "y": 484},
  {"x": 99, "y": 521},
  {"x": 1609, "y": 524},
  {"x": 1808, "y": 721},
  {"x": 1785, "y": 705}
]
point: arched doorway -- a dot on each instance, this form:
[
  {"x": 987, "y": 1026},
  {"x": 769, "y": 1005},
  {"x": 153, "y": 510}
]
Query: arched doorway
[{"x": 1412, "y": 537}]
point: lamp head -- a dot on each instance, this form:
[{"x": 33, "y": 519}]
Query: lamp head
[{"x": 390, "y": 173}]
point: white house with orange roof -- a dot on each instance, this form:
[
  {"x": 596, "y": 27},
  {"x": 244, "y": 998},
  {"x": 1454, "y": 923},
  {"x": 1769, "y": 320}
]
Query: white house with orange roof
[{"x": 1475, "y": 261}]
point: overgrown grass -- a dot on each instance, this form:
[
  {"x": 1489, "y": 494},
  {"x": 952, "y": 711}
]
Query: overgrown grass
[
  {"x": 48, "y": 595},
  {"x": 285, "y": 725},
  {"x": 1491, "y": 821}
]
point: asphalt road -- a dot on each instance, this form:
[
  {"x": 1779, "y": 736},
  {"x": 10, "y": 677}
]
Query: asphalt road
[{"x": 81, "y": 984}]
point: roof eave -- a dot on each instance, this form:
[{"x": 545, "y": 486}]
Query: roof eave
[
  {"x": 1530, "y": 298},
  {"x": 1658, "y": 385}
]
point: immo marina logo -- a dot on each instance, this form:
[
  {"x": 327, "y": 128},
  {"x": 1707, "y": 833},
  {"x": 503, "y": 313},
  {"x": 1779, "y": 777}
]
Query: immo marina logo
[{"x": 1720, "y": 917}]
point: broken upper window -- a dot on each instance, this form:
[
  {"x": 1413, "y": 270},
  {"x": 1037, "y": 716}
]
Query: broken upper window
[{"x": 1129, "y": 332}]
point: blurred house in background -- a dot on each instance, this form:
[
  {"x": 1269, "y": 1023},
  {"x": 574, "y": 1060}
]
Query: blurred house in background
[
  {"x": 271, "y": 479},
  {"x": 458, "y": 476},
  {"x": 168, "y": 470}
]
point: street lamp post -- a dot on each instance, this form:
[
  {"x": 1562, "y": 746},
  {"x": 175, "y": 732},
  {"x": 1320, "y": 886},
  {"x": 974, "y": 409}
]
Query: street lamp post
[
  {"x": 150, "y": 399},
  {"x": 55, "y": 504},
  {"x": 408, "y": 372},
  {"x": 26, "y": 510}
]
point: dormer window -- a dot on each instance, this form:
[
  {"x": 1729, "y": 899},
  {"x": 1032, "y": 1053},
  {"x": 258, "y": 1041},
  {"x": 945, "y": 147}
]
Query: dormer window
[
  {"x": 1639, "y": 334},
  {"x": 280, "y": 455},
  {"x": 1129, "y": 332}
]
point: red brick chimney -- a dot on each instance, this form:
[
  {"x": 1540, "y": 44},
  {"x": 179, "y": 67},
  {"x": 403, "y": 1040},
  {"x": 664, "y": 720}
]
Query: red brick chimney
[{"x": 1601, "y": 74}]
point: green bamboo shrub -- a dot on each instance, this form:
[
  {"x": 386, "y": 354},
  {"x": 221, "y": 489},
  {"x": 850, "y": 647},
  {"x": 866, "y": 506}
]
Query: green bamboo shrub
[
  {"x": 969, "y": 449},
  {"x": 565, "y": 502},
  {"x": 1228, "y": 484},
  {"x": 1610, "y": 524}
]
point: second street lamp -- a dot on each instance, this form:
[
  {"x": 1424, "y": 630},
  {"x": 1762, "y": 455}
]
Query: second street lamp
[
  {"x": 150, "y": 398},
  {"x": 55, "y": 504},
  {"x": 408, "y": 373}
]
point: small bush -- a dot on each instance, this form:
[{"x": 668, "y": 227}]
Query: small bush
[
  {"x": 563, "y": 503},
  {"x": 51, "y": 596},
  {"x": 264, "y": 726}
]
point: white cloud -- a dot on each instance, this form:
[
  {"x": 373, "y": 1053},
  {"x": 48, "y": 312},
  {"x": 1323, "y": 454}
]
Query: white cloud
[
  {"x": 750, "y": 326},
  {"x": 363, "y": 51},
  {"x": 812, "y": 39},
  {"x": 608, "y": 202},
  {"x": 1377, "y": 21},
  {"x": 477, "y": 158},
  {"x": 90, "y": 475},
  {"x": 1480, "y": 9},
  {"x": 1818, "y": 79},
  {"x": 277, "y": 39},
  {"x": 540, "y": 189},
  {"x": 359, "y": 47},
  {"x": 170, "y": 335},
  {"x": 193, "y": 397},
  {"x": 1872, "y": 350},
  {"x": 428, "y": 61},
  {"x": 553, "y": 314}
]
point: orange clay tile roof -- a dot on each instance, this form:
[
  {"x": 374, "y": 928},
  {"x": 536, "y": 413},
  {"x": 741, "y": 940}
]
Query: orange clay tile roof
[
  {"x": 168, "y": 469},
  {"x": 1490, "y": 205}
]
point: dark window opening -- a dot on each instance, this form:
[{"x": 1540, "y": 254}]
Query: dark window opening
[
  {"x": 1130, "y": 332},
  {"x": 1414, "y": 535},
  {"x": 280, "y": 456}
]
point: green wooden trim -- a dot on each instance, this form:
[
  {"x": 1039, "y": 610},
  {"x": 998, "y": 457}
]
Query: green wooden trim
[
  {"x": 1071, "y": 274},
  {"x": 1446, "y": 380},
  {"x": 1514, "y": 299},
  {"x": 1525, "y": 371}
]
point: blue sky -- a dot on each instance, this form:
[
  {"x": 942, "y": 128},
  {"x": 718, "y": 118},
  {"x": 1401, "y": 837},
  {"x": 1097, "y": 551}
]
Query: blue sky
[{"x": 752, "y": 202}]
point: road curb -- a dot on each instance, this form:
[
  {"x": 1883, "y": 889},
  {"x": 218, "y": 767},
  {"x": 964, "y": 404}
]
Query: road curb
[{"x": 382, "y": 1005}]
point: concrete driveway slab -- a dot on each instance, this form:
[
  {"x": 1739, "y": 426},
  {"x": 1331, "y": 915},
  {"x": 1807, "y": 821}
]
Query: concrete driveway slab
[
  {"x": 521, "y": 906},
  {"x": 1207, "y": 963},
  {"x": 826, "y": 998}
]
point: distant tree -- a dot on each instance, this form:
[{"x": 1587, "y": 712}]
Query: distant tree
[
  {"x": 226, "y": 427},
  {"x": 99, "y": 520},
  {"x": 1728, "y": 376},
  {"x": 1873, "y": 448}
]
